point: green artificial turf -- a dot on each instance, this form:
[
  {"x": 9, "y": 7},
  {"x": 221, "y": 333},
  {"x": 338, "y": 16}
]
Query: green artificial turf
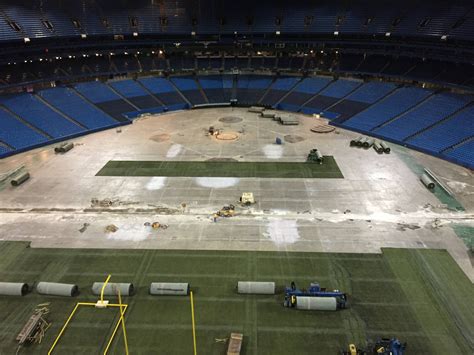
[
  {"x": 223, "y": 169},
  {"x": 466, "y": 233},
  {"x": 405, "y": 155},
  {"x": 419, "y": 296}
]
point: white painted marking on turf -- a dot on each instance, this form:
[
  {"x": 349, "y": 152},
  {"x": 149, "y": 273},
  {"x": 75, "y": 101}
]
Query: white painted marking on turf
[
  {"x": 174, "y": 150},
  {"x": 282, "y": 231},
  {"x": 217, "y": 182},
  {"x": 156, "y": 183},
  {"x": 273, "y": 151}
]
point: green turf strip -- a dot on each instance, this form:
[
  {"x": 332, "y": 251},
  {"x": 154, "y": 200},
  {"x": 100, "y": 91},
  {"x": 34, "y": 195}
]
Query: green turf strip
[
  {"x": 419, "y": 296},
  {"x": 223, "y": 169}
]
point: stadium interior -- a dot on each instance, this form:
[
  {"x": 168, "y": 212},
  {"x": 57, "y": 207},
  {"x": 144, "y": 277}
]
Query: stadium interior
[{"x": 348, "y": 126}]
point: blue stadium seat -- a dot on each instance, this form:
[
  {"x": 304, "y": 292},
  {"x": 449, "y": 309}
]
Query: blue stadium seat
[
  {"x": 67, "y": 101},
  {"x": 463, "y": 154},
  {"x": 431, "y": 111},
  {"x": 4, "y": 150},
  {"x": 96, "y": 92},
  {"x": 35, "y": 112},
  {"x": 149, "y": 14},
  {"x": 371, "y": 92},
  {"x": 250, "y": 88},
  {"x": 16, "y": 134},
  {"x": 135, "y": 93},
  {"x": 104, "y": 98},
  {"x": 213, "y": 88},
  {"x": 165, "y": 92},
  {"x": 278, "y": 89},
  {"x": 393, "y": 105},
  {"x": 329, "y": 96},
  {"x": 447, "y": 133},
  {"x": 303, "y": 91},
  {"x": 340, "y": 88},
  {"x": 190, "y": 89}
]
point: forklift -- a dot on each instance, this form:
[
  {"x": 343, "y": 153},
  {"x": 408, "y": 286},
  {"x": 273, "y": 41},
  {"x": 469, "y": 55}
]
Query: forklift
[
  {"x": 383, "y": 346},
  {"x": 226, "y": 211}
]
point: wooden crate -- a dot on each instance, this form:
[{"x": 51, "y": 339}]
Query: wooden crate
[{"x": 235, "y": 344}]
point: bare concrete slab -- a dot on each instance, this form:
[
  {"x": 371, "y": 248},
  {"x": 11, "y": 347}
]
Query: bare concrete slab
[{"x": 363, "y": 212}]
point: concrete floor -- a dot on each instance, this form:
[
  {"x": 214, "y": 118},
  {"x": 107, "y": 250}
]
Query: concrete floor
[{"x": 379, "y": 203}]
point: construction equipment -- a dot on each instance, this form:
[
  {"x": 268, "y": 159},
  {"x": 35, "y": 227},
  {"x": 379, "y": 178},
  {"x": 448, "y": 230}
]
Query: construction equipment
[
  {"x": 315, "y": 290},
  {"x": 315, "y": 156},
  {"x": 156, "y": 225},
  {"x": 64, "y": 147},
  {"x": 226, "y": 211},
  {"x": 247, "y": 199},
  {"x": 34, "y": 329},
  {"x": 212, "y": 131},
  {"x": 383, "y": 346},
  {"x": 352, "y": 350},
  {"x": 391, "y": 346}
]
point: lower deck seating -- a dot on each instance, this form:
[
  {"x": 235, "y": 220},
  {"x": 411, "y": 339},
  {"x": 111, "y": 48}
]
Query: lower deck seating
[
  {"x": 395, "y": 104},
  {"x": 164, "y": 92},
  {"x": 135, "y": 93},
  {"x": 4, "y": 150},
  {"x": 213, "y": 87},
  {"x": 439, "y": 124},
  {"x": 431, "y": 111},
  {"x": 16, "y": 134},
  {"x": 446, "y": 134},
  {"x": 304, "y": 91},
  {"x": 190, "y": 89},
  {"x": 66, "y": 100},
  {"x": 348, "y": 108},
  {"x": 278, "y": 89},
  {"x": 250, "y": 88},
  {"x": 39, "y": 115},
  {"x": 104, "y": 98},
  {"x": 463, "y": 153}
]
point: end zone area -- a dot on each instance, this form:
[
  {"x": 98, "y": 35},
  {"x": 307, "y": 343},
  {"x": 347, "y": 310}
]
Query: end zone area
[{"x": 420, "y": 296}]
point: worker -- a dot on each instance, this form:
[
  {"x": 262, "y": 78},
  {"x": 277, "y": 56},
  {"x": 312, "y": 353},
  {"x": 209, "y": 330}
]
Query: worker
[{"x": 215, "y": 217}]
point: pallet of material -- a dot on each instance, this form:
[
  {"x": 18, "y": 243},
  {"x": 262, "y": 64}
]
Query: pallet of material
[
  {"x": 256, "y": 109},
  {"x": 289, "y": 120},
  {"x": 235, "y": 344},
  {"x": 268, "y": 114}
]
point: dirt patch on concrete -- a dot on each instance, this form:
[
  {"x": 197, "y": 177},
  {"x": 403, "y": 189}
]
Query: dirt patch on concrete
[
  {"x": 293, "y": 139},
  {"x": 160, "y": 137},
  {"x": 230, "y": 119},
  {"x": 402, "y": 227}
]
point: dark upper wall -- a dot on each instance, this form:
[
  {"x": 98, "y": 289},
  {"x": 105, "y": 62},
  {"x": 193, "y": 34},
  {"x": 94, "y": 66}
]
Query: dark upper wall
[{"x": 421, "y": 19}]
